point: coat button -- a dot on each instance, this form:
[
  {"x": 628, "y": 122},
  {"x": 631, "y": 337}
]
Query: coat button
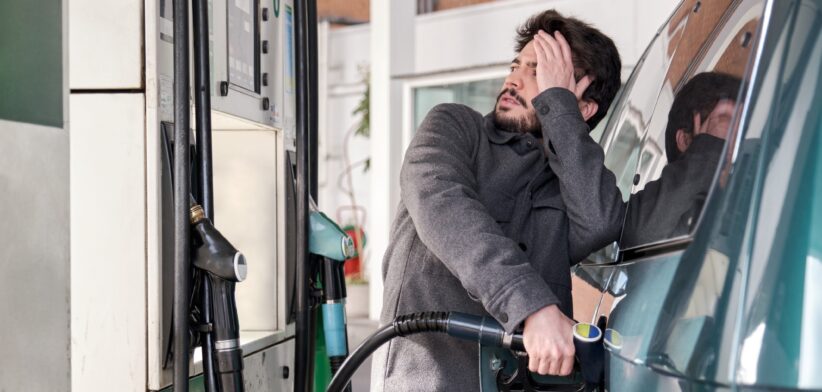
[
  {"x": 529, "y": 143},
  {"x": 544, "y": 109},
  {"x": 503, "y": 318},
  {"x": 523, "y": 247}
]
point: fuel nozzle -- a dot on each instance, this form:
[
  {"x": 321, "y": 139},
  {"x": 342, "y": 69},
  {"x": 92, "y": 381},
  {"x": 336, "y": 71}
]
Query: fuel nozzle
[
  {"x": 326, "y": 239},
  {"x": 213, "y": 252},
  {"x": 590, "y": 353},
  {"x": 484, "y": 330},
  {"x": 224, "y": 266}
]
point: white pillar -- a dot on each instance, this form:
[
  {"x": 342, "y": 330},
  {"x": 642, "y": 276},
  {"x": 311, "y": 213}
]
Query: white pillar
[{"x": 392, "y": 54}]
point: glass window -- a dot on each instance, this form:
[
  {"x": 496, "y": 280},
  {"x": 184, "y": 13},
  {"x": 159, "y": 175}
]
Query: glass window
[
  {"x": 479, "y": 95},
  {"x": 666, "y": 137}
]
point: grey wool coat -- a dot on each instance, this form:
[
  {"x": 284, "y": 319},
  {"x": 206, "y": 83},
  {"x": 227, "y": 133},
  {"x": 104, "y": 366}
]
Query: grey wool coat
[{"x": 489, "y": 223}]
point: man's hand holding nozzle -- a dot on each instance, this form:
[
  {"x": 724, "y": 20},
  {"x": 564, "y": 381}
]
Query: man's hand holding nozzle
[{"x": 549, "y": 340}]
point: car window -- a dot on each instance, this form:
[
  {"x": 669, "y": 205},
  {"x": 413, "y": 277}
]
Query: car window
[
  {"x": 662, "y": 63},
  {"x": 636, "y": 152},
  {"x": 677, "y": 119},
  {"x": 697, "y": 38}
]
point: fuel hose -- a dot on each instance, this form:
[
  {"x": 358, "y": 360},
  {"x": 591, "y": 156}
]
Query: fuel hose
[{"x": 484, "y": 330}]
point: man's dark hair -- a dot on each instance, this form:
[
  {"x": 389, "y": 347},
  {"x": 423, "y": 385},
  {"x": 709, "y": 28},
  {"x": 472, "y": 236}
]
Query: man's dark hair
[
  {"x": 699, "y": 95},
  {"x": 594, "y": 54}
]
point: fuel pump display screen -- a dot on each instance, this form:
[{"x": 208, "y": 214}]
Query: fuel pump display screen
[{"x": 243, "y": 41}]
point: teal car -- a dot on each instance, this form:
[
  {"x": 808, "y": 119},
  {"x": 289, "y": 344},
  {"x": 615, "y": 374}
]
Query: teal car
[{"x": 730, "y": 296}]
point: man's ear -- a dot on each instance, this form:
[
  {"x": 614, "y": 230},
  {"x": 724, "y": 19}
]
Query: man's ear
[
  {"x": 683, "y": 140},
  {"x": 588, "y": 108}
]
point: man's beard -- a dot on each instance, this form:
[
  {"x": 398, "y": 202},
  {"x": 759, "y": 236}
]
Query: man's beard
[{"x": 528, "y": 123}]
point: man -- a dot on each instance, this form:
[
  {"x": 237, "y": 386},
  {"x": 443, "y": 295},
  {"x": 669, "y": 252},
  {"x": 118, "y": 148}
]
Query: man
[
  {"x": 698, "y": 124},
  {"x": 494, "y": 210}
]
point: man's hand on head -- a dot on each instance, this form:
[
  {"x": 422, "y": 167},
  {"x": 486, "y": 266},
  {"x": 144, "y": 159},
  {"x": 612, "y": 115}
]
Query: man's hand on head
[
  {"x": 719, "y": 120},
  {"x": 549, "y": 340},
  {"x": 555, "y": 65}
]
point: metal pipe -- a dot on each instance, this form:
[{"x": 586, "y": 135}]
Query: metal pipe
[
  {"x": 303, "y": 352},
  {"x": 182, "y": 192},
  {"x": 204, "y": 183}
]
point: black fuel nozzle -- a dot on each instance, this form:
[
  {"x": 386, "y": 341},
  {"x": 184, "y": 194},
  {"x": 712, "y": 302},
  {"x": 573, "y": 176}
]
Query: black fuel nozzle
[
  {"x": 213, "y": 253},
  {"x": 588, "y": 340},
  {"x": 224, "y": 266},
  {"x": 484, "y": 330}
]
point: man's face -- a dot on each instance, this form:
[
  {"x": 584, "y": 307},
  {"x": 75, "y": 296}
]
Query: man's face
[{"x": 513, "y": 111}]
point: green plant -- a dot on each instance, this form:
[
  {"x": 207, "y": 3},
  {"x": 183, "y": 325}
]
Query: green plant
[{"x": 363, "y": 110}]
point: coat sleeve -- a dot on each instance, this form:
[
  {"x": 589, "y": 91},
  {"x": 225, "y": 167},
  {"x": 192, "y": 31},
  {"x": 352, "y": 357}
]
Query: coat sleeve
[
  {"x": 439, "y": 189},
  {"x": 592, "y": 200}
]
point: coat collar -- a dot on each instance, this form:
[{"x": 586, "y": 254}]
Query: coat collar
[{"x": 496, "y": 135}]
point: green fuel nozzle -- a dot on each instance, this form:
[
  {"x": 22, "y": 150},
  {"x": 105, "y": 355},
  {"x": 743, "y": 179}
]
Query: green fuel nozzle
[{"x": 326, "y": 239}]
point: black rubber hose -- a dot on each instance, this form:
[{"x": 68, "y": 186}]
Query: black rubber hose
[
  {"x": 336, "y": 364},
  {"x": 182, "y": 193},
  {"x": 313, "y": 113},
  {"x": 303, "y": 316},
  {"x": 203, "y": 184},
  {"x": 484, "y": 330},
  {"x": 353, "y": 362},
  {"x": 402, "y": 326}
]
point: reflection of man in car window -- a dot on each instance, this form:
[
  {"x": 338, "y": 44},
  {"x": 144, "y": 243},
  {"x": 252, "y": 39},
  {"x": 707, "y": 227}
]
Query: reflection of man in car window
[{"x": 698, "y": 124}]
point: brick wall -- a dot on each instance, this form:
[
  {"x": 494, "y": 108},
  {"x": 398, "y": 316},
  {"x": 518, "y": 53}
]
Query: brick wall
[
  {"x": 341, "y": 12},
  {"x": 448, "y": 4}
]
